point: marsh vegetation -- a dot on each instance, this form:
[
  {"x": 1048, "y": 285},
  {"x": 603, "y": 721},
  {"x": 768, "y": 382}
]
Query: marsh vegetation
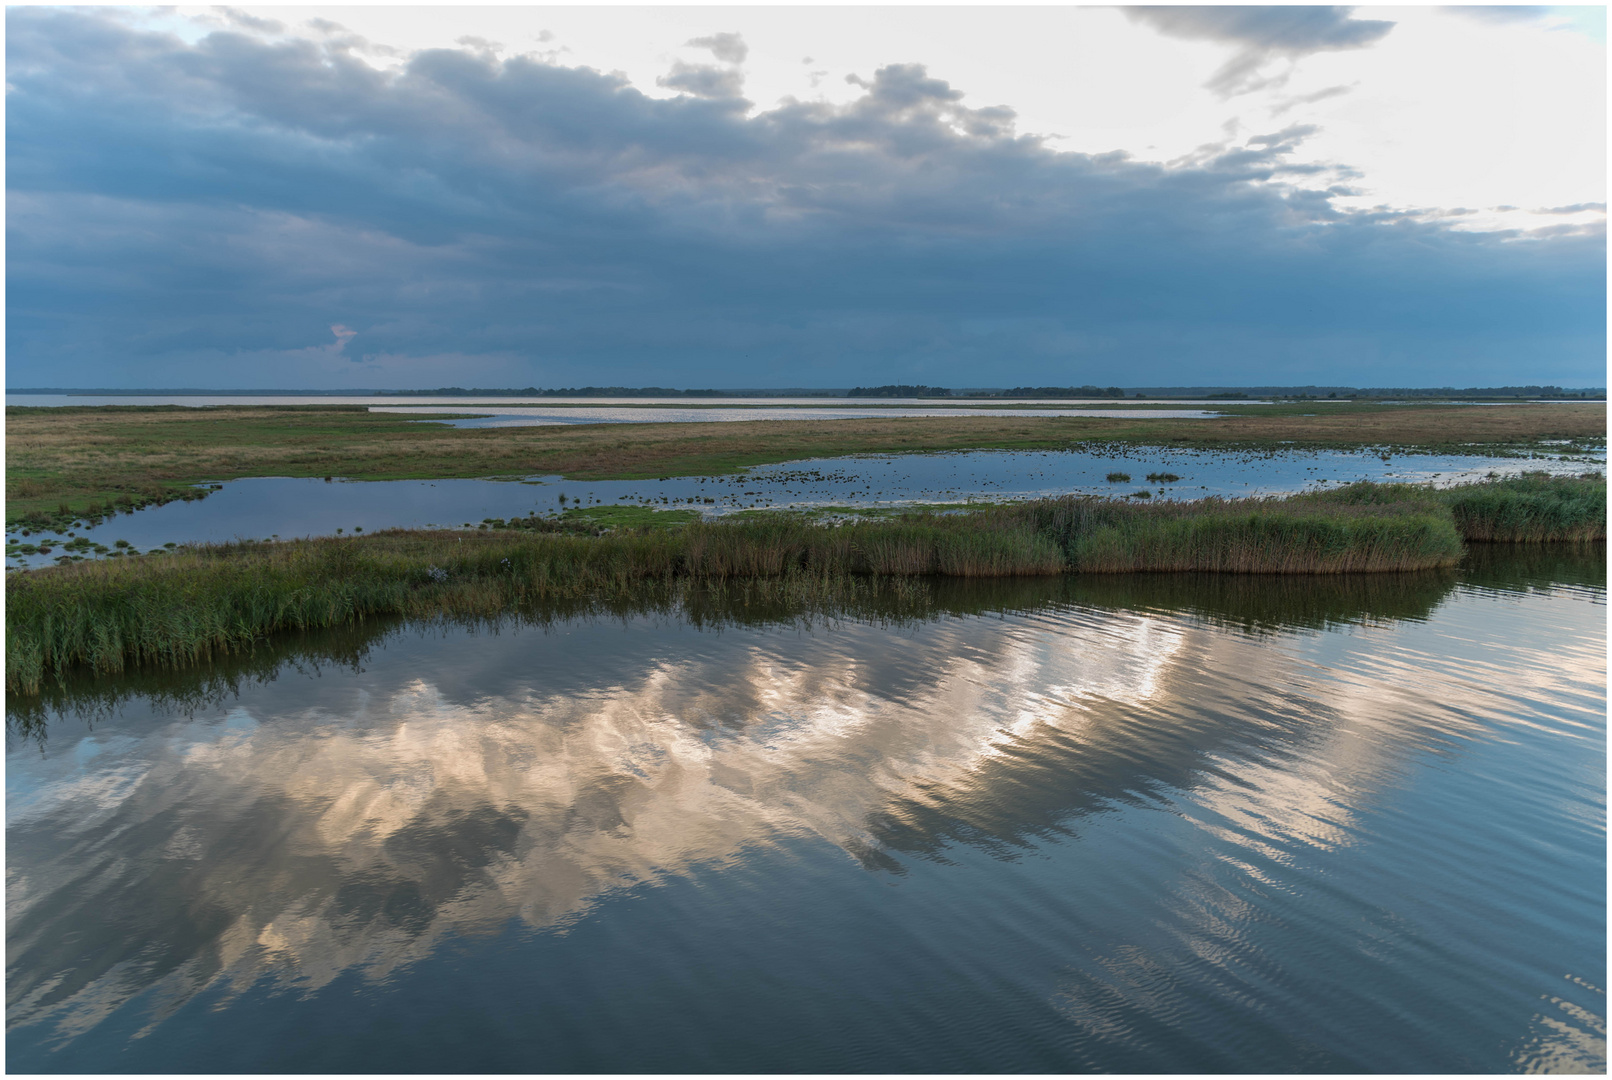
[
  {"x": 180, "y": 608},
  {"x": 66, "y": 463}
]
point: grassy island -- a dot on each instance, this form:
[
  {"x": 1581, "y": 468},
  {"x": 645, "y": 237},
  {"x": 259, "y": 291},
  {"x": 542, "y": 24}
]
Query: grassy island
[{"x": 179, "y": 609}]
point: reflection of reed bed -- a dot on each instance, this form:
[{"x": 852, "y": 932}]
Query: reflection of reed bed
[
  {"x": 177, "y": 610},
  {"x": 797, "y": 600},
  {"x": 1269, "y": 602},
  {"x": 1521, "y": 567},
  {"x": 166, "y": 691}
]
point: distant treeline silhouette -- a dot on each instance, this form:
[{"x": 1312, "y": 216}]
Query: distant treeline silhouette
[
  {"x": 568, "y": 391},
  {"x": 898, "y": 390},
  {"x": 1485, "y": 392},
  {"x": 1592, "y": 393},
  {"x": 1064, "y": 392}
]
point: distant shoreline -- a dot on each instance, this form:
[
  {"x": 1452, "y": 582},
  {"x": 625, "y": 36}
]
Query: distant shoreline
[{"x": 1233, "y": 393}]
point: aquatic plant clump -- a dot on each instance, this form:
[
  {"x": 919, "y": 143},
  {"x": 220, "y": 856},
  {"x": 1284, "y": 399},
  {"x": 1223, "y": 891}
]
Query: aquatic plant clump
[
  {"x": 1530, "y": 508},
  {"x": 1263, "y": 536},
  {"x": 180, "y": 608}
]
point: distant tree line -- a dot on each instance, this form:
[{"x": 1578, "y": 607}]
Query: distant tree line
[
  {"x": 1485, "y": 392},
  {"x": 1064, "y": 392},
  {"x": 570, "y": 391},
  {"x": 898, "y": 390}
]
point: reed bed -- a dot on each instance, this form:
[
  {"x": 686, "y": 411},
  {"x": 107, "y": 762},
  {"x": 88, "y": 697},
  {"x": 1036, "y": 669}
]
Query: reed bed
[
  {"x": 181, "y": 609},
  {"x": 1248, "y": 536},
  {"x": 1532, "y": 508}
]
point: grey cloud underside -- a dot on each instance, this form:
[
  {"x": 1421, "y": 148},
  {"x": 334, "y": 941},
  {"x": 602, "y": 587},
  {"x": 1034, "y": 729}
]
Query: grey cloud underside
[
  {"x": 204, "y": 214},
  {"x": 703, "y": 80},
  {"x": 728, "y": 47},
  {"x": 1292, "y": 29},
  {"x": 1262, "y": 34}
]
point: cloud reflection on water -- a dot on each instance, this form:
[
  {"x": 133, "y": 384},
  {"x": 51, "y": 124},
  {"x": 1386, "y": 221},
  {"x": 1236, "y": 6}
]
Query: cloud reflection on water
[{"x": 347, "y": 824}]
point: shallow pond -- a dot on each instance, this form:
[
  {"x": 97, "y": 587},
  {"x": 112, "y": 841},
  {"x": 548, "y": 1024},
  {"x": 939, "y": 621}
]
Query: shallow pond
[
  {"x": 277, "y": 506},
  {"x": 1131, "y": 824}
]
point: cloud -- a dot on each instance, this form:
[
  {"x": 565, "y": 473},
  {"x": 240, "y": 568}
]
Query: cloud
[
  {"x": 1288, "y": 104},
  {"x": 1500, "y": 13},
  {"x": 250, "y": 22},
  {"x": 703, "y": 80},
  {"x": 195, "y": 214},
  {"x": 1262, "y": 34},
  {"x": 729, "y": 48}
]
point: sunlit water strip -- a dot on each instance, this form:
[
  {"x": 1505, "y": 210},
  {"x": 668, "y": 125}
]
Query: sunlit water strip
[{"x": 1131, "y": 838}]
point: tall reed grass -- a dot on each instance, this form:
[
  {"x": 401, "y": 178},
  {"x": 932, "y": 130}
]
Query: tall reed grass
[
  {"x": 1532, "y": 508},
  {"x": 1250, "y": 536},
  {"x": 178, "y": 610}
]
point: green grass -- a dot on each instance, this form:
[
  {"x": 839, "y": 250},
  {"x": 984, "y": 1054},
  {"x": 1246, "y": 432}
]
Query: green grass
[
  {"x": 622, "y": 516},
  {"x": 171, "y": 611},
  {"x": 77, "y": 461},
  {"x": 1266, "y": 536},
  {"x": 1531, "y": 508}
]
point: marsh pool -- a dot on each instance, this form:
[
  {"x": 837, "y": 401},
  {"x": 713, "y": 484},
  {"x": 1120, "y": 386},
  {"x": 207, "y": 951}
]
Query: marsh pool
[
  {"x": 284, "y": 508},
  {"x": 1154, "y": 823}
]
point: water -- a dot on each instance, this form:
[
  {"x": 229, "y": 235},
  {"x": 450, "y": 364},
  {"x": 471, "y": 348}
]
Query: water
[
  {"x": 542, "y": 416},
  {"x": 1132, "y": 824},
  {"x": 261, "y": 508},
  {"x": 657, "y": 410}
]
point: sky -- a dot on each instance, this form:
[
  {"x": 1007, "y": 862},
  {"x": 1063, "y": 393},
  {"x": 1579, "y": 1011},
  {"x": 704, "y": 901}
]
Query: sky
[{"x": 410, "y": 197}]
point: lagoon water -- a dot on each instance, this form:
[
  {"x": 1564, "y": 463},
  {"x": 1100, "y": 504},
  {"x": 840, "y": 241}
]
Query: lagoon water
[
  {"x": 545, "y": 416},
  {"x": 1154, "y": 823},
  {"x": 512, "y": 411},
  {"x": 278, "y": 506}
]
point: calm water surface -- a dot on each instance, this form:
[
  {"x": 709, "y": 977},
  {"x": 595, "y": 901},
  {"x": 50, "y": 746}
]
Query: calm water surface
[
  {"x": 547, "y": 416},
  {"x": 279, "y": 506},
  {"x": 1136, "y": 824}
]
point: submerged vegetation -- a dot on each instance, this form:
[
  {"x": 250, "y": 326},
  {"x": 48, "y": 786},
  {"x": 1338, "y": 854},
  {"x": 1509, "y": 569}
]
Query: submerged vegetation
[{"x": 177, "y": 609}]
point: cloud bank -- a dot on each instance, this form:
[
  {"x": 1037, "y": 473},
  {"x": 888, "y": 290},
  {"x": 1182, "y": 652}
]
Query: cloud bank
[{"x": 205, "y": 214}]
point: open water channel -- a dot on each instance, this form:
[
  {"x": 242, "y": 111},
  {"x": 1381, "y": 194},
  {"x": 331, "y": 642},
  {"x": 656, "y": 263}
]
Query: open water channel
[
  {"x": 1154, "y": 823},
  {"x": 261, "y": 508}
]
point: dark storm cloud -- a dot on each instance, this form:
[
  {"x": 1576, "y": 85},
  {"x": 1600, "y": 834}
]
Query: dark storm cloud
[
  {"x": 1262, "y": 34},
  {"x": 244, "y": 213}
]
